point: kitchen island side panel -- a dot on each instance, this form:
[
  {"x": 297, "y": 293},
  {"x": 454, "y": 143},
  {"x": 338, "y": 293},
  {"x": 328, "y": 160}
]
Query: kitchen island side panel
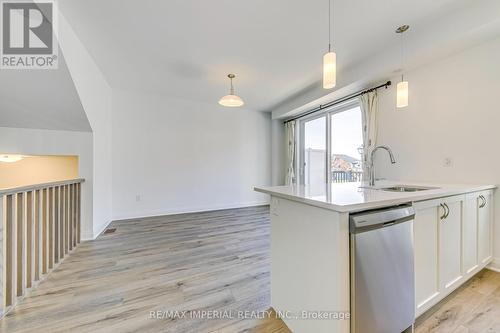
[{"x": 309, "y": 266}]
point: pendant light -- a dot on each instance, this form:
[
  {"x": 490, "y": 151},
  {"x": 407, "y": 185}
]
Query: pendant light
[
  {"x": 402, "y": 87},
  {"x": 231, "y": 100},
  {"x": 9, "y": 158},
  {"x": 330, "y": 58}
]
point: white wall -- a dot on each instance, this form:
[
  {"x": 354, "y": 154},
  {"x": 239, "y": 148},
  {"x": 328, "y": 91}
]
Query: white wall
[
  {"x": 50, "y": 142},
  {"x": 95, "y": 95},
  {"x": 454, "y": 113},
  {"x": 183, "y": 156}
]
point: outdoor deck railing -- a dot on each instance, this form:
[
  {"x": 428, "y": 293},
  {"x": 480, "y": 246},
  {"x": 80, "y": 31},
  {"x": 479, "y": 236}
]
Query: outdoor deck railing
[
  {"x": 40, "y": 225},
  {"x": 346, "y": 176}
]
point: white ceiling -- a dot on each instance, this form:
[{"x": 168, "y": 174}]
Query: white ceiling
[
  {"x": 185, "y": 48},
  {"x": 44, "y": 99}
]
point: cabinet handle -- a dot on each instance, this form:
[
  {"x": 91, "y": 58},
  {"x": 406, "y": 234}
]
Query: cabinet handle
[
  {"x": 442, "y": 217},
  {"x": 484, "y": 201},
  {"x": 447, "y": 211}
]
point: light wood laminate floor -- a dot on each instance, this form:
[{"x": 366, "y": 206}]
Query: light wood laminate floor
[
  {"x": 203, "y": 261},
  {"x": 473, "y": 308}
]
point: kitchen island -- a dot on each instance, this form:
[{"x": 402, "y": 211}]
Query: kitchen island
[{"x": 310, "y": 245}]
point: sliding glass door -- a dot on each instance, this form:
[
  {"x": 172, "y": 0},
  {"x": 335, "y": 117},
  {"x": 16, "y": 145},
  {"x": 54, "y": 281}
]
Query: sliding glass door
[
  {"x": 331, "y": 146},
  {"x": 314, "y": 151}
]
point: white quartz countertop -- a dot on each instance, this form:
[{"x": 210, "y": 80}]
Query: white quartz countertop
[{"x": 352, "y": 197}]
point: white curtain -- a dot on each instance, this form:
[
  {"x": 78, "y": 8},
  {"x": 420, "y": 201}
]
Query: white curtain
[
  {"x": 290, "y": 152},
  {"x": 369, "y": 110}
]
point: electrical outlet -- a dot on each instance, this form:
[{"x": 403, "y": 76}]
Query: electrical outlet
[
  {"x": 138, "y": 198},
  {"x": 448, "y": 162}
]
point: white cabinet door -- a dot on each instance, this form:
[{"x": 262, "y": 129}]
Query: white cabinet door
[
  {"x": 426, "y": 237},
  {"x": 469, "y": 232},
  {"x": 453, "y": 240},
  {"x": 484, "y": 228},
  {"x": 450, "y": 243},
  {"x": 438, "y": 249}
]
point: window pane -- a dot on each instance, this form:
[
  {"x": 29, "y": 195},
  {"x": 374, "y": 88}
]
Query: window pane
[
  {"x": 346, "y": 145},
  {"x": 315, "y": 151}
]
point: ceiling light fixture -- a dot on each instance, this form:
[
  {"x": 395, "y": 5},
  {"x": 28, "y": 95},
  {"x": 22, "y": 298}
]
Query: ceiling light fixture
[
  {"x": 10, "y": 158},
  {"x": 402, "y": 87},
  {"x": 231, "y": 100},
  {"x": 330, "y": 58}
]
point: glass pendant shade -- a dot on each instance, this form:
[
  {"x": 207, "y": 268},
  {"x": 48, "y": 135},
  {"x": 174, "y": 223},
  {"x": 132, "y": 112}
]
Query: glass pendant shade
[
  {"x": 329, "y": 70},
  {"x": 402, "y": 94},
  {"x": 10, "y": 158},
  {"x": 231, "y": 101}
]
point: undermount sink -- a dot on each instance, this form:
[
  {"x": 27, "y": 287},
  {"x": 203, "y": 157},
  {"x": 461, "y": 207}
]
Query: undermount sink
[{"x": 407, "y": 188}]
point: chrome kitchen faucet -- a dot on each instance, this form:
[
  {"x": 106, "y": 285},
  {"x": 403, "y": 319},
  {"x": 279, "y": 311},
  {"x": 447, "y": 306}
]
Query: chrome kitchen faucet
[{"x": 372, "y": 165}]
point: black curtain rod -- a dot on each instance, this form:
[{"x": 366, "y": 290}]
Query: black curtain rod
[{"x": 338, "y": 101}]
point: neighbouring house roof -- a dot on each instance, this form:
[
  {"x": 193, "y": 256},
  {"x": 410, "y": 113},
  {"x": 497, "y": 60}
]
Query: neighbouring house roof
[{"x": 346, "y": 158}]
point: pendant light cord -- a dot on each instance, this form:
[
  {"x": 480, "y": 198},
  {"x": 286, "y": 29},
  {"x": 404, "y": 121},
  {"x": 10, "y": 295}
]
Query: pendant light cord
[
  {"x": 329, "y": 25},
  {"x": 402, "y": 57}
]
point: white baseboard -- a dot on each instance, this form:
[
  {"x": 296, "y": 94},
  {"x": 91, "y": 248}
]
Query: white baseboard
[
  {"x": 87, "y": 238},
  {"x": 185, "y": 210},
  {"x": 494, "y": 265}
]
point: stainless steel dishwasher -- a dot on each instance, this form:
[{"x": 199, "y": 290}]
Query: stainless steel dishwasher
[{"x": 382, "y": 271}]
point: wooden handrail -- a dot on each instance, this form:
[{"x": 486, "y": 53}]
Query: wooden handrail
[
  {"x": 25, "y": 188},
  {"x": 40, "y": 225}
]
